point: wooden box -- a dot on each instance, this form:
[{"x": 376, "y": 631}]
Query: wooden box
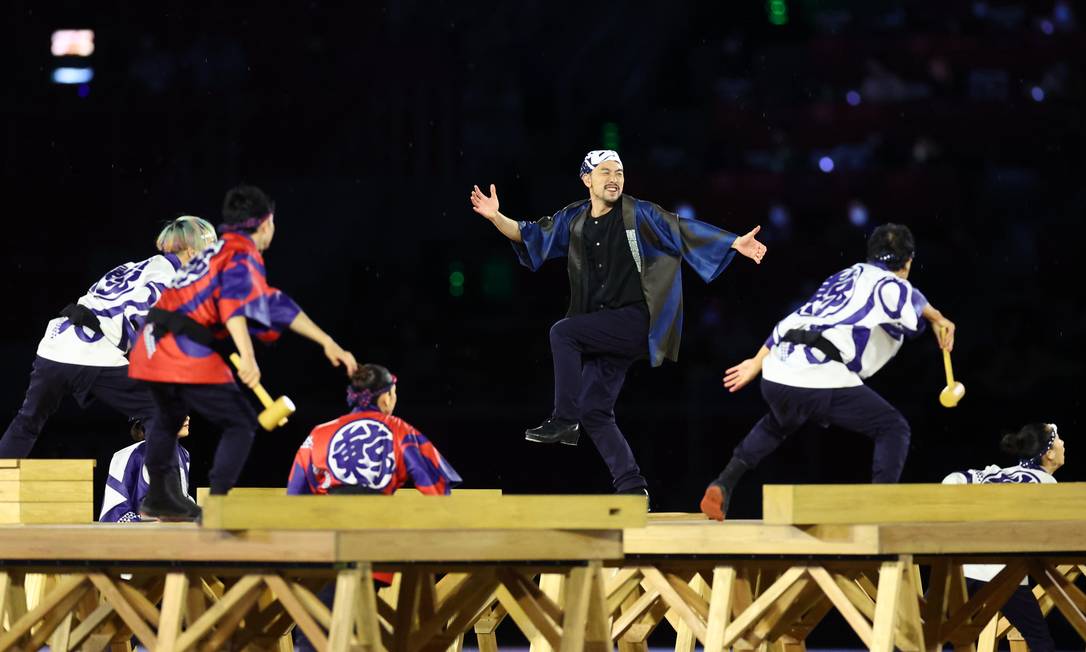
[{"x": 46, "y": 491}]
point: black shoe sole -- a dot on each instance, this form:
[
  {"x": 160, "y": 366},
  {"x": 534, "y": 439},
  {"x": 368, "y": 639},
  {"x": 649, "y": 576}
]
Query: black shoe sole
[{"x": 560, "y": 440}]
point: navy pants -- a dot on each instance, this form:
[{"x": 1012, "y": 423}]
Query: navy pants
[
  {"x": 859, "y": 409},
  {"x": 592, "y": 353},
  {"x": 224, "y": 406},
  {"x": 51, "y": 381},
  {"x": 1023, "y": 611}
]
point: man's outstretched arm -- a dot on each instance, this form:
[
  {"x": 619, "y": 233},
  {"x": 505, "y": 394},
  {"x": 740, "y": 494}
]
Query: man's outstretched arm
[{"x": 488, "y": 208}]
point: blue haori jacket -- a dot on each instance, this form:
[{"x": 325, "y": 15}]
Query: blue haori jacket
[{"x": 659, "y": 241}]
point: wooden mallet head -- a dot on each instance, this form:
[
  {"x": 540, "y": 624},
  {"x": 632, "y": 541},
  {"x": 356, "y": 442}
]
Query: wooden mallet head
[
  {"x": 276, "y": 411},
  {"x": 954, "y": 391}
]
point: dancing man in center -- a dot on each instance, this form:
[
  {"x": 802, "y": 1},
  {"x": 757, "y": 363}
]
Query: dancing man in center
[{"x": 624, "y": 258}]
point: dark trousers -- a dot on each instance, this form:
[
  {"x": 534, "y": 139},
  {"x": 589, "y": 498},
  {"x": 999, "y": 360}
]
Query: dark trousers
[
  {"x": 224, "y": 406},
  {"x": 592, "y": 353},
  {"x": 859, "y": 409},
  {"x": 1023, "y": 611},
  {"x": 51, "y": 381}
]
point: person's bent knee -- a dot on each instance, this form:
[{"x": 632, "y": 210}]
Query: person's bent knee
[{"x": 560, "y": 330}]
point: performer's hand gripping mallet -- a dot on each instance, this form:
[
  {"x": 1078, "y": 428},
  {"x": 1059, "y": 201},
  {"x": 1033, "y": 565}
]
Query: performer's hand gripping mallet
[
  {"x": 275, "y": 412},
  {"x": 954, "y": 391}
]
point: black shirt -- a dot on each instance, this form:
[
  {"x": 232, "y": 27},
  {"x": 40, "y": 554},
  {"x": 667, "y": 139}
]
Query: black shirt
[{"x": 611, "y": 278}]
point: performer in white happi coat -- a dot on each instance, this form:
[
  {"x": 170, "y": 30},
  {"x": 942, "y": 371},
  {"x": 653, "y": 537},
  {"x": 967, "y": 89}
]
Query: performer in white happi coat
[
  {"x": 1040, "y": 451},
  {"x": 815, "y": 361},
  {"x": 84, "y": 351}
]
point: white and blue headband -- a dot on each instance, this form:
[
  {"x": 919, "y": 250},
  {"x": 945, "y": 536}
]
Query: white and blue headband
[
  {"x": 1035, "y": 461},
  {"x": 595, "y": 157}
]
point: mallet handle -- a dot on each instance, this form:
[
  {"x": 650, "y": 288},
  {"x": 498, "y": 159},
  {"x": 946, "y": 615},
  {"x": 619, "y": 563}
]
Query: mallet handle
[
  {"x": 949, "y": 370},
  {"x": 261, "y": 393}
]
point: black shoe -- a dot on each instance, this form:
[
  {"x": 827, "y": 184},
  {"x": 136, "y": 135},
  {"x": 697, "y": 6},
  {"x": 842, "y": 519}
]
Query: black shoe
[
  {"x": 638, "y": 491},
  {"x": 166, "y": 502},
  {"x": 555, "y": 431}
]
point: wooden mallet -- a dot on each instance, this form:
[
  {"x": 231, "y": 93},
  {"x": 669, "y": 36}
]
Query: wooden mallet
[
  {"x": 954, "y": 391},
  {"x": 275, "y": 411}
]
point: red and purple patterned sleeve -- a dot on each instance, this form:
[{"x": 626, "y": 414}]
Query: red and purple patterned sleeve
[
  {"x": 300, "y": 482},
  {"x": 245, "y": 292},
  {"x": 428, "y": 470}
]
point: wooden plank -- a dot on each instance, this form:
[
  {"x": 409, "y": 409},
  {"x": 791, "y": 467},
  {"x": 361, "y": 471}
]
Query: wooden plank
[
  {"x": 183, "y": 542},
  {"x": 980, "y": 537},
  {"x": 261, "y": 492},
  {"x": 46, "y": 491},
  {"x": 750, "y": 616},
  {"x": 46, "y": 512},
  {"x": 749, "y": 538},
  {"x": 894, "y": 503},
  {"x": 470, "y": 512},
  {"x": 479, "y": 545},
  {"x": 46, "y": 469}
]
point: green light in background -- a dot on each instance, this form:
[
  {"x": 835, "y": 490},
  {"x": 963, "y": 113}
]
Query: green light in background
[
  {"x": 777, "y": 11},
  {"x": 610, "y": 135},
  {"x": 456, "y": 278}
]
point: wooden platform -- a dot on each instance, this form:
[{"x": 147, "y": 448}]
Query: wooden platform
[{"x": 610, "y": 576}]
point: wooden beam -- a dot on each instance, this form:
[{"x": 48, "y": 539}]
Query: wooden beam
[
  {"x": 720, "y": 608},
  {"x": 1059, "y": 596},
  {"x": 470, "y": 512},
  {"x": 912, "y": 503},
  {"x": 695, "y": 593},
  {"x": 297, "y": 610},
  {"x": 229, "y": 623},
  {"x": 655, "y": 580},
  {"x": 126, "y": 611},
  {"x": 844, "y": 605},
  {"x": 750, "y": 616},
  {"x": 216, "y": 612},
  {"x": 57, "y": 615},
  {"x": 891, "y": 576},
  {"x": 174, "y": 599},
  {"x": 633, "y": 613}
]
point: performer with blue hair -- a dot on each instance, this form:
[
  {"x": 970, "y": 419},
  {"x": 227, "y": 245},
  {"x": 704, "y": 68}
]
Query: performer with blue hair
[
  {"x": 624, "y": 257},
  {"x": 1040, "y": 452},
  {"x": 815, "y": 361},
  {"x": 84, "y": 353}
]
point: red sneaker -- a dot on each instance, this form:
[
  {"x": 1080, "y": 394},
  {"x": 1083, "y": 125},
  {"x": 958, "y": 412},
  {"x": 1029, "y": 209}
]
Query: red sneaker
[{"x": 712, "y": 503}]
